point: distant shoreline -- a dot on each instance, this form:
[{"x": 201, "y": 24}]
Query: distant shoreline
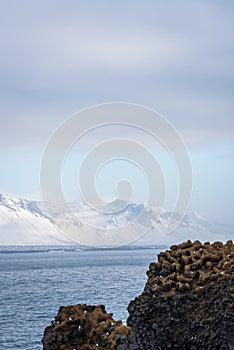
[{"x": 60, "y": 249}]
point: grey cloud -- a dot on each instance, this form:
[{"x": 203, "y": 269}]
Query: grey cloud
[{"x": 58, "y": 57}]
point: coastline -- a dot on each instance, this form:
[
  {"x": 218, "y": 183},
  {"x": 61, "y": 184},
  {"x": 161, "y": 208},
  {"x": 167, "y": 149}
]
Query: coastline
[{"x": 187, "y": 303}]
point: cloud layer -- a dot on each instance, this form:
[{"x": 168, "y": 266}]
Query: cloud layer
[
  {"x": 56, "y": 58},
  {"x": 59, "y": 57}
]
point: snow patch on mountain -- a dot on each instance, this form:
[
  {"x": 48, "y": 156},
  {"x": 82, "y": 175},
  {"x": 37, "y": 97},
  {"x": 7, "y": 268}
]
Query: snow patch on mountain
[{"x": 25, "y": 222}]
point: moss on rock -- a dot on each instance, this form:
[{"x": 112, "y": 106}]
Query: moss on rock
[
  {"x": 188, "y": 300},
  {"x": 187, "y": 304},
  {"x": 86, "y": 327}
]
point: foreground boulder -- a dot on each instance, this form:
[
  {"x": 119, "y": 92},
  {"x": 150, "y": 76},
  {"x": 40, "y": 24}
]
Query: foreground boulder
[
  {"x": 188, "y": 300},
  {"x": 86, "y": 327},
  {"x": 187, "y": 304}
]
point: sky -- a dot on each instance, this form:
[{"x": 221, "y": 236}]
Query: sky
[{"x": 176, "y": 57}]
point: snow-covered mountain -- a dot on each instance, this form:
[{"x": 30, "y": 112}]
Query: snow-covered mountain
[{"x": 25, "y": 222}]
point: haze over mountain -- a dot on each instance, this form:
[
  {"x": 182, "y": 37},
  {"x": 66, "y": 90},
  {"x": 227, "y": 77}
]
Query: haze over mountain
[{"x": 25, "y": 222}]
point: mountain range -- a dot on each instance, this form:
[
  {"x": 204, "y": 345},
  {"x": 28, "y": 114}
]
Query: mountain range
[{"x": 25, "y": 222}]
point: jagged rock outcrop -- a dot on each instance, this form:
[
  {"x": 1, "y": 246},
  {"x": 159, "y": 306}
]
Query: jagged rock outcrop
[
  {"x": 187, "y": 304},
  {"x": 188, "y": 300},
  {"x": 87, "y": 327}
]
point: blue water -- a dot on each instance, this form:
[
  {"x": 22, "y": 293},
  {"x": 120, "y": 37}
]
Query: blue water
[{"x": 34, "y": 284}]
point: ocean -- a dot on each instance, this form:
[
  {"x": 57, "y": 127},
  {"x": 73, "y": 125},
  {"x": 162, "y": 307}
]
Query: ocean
[{"x": 35, "y": 282}]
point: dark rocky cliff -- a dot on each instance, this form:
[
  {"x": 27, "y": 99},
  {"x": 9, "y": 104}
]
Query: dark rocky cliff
[
  {"x": 188, "y": 300},
  {"x": 187, "y": 303}
]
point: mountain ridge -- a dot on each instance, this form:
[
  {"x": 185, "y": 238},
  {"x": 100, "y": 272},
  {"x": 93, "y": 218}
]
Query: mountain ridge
[{"x": 25, "y": 222}]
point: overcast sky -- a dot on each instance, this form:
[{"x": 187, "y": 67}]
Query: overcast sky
[{"x": 176, "y": 57}]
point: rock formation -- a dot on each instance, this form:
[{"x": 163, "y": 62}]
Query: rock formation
[
  {"x": 188, "y": 300},
  {"x": 187, "y": 303},
  {"x": 87, "y": 327}
]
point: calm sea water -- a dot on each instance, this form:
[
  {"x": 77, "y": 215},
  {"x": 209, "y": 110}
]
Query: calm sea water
[{"x": 34, "y": 284}]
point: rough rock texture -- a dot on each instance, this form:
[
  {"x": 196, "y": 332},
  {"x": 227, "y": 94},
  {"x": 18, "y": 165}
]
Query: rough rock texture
[
  {"x": 188, "y": 300},
  {"x": 187, "y": 303},
  {"x": 87, "y": 327}
]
